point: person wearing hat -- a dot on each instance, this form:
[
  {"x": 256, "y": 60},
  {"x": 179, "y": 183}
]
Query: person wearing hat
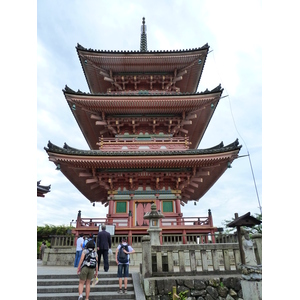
[{"x": 86, "y": 269}]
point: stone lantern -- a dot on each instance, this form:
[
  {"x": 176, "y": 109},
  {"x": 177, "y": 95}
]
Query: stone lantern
[{"x": 154, "y": 228}]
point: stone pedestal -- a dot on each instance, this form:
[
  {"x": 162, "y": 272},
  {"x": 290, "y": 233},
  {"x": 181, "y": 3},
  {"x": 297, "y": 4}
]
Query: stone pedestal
[
  {"x": 252, "y": 290},
  {"x": 252, "y": 282},
  {"x": 154, "y": 235},
  {"x": 146, "y": 259}
]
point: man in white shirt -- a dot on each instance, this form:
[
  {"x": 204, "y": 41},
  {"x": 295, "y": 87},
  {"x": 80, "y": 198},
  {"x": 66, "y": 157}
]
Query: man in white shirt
[
  {"x": 79, "y": 244},
  {"x": 123, "y": 267}
]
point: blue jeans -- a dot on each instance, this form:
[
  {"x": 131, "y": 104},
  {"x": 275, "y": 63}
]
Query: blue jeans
[
  {"x": 123, "y": 270},
  {"x": 77, "y": 258}
]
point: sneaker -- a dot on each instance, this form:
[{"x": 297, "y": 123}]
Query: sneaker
[
  {"x": 125, "y": 291},
  {"x": 120, "y": 292},
  {"x": 80, "y": 297}
]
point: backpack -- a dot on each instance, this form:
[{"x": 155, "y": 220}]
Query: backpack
[
  {"x": 90, "y": 259},
  {"x": 122, "y": 256}
]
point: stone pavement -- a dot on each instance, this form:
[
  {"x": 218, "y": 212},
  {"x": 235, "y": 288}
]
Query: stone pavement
[{"x": 49, "y": 270}]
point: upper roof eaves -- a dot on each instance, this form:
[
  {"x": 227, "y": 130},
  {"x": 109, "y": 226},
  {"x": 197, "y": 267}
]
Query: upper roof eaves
[
  {"x": 81, "y": 48},
  {"x": 220, "y": 148},
  {"x": 68, "y": 90}
]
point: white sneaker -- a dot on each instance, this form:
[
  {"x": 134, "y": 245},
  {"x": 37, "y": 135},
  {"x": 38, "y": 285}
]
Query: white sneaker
[{"x": 80, "y": 297}]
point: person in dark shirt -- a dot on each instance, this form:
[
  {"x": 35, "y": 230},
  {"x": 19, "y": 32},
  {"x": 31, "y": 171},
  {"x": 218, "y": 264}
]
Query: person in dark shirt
[{"x": 103, "y": 246}]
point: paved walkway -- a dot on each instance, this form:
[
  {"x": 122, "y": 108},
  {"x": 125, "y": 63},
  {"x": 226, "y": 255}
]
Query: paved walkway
[{"x": 50, "y": 270}]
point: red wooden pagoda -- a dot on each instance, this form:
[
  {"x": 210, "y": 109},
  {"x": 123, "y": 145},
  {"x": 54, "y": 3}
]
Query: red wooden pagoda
[{"x": 143, "y": 120}]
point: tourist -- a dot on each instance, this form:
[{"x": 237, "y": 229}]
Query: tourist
[
  {"x": 123, "y": 265},
  {"x": 103, "y": 247},
  {"x": 42, "y": 249},
  {"x": 79, "y": 247},
  {"x": 87, "y": 265},
  {"x": 87, "y": 239}
]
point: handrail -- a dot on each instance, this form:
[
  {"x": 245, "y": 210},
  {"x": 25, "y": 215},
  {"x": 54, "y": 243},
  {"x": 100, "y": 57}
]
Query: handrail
[
  {"x": 167, "y": 221},
  {"x": 114, "y": 144}
]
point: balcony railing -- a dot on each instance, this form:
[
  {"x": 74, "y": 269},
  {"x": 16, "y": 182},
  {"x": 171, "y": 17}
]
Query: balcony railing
[
  {"x": 139, "y": 144},
  {"x": 121, "y": 222}
]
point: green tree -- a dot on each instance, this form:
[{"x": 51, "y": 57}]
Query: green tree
[
  {"x": 252, "y": 230},
  {"x": 44, "y": 233}
]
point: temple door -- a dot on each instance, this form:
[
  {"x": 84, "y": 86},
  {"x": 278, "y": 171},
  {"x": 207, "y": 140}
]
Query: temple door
[{"x": 140, "y": 209}]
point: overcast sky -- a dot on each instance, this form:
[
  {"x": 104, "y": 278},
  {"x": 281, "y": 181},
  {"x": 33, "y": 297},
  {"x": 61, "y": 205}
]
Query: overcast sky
[
  {"x": 38, "y": 43},
  {"x": 235, "y": 61}
]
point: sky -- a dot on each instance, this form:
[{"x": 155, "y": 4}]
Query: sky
[
  {"x": 235, "y": 62},
  {"x": 254, "y": 45}
]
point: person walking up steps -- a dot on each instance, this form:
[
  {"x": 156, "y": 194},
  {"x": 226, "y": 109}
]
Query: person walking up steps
[
  {"x": 86, "y": 268},
  {"x": 79, "y": 247},
  {"x": 122, "y": 259},
  {"x": 103, "y": 246}
]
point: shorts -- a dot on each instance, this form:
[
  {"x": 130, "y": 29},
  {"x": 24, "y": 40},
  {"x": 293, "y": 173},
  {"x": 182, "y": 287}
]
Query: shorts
[
  {"x": 123, "y": 270},
  {"x": 86, "y": 273}
]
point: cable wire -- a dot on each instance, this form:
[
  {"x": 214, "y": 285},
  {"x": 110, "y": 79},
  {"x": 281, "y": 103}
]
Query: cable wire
[{"x": 248, "y": 153}]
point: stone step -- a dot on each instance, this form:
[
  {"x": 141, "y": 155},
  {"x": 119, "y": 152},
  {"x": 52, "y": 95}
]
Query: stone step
[
  {"x": 75, "y": 276},
  {"x": 74, "y": 288},
  {"x": 69, "y": 280},
  {"x": 93, "y": 295},
  {"x": 65, "y": 286}
]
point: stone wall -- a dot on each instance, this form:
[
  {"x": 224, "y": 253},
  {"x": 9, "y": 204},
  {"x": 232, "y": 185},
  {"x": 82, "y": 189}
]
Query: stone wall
[
  {"x": 247, "y": 286},
  {"x": 59, "y": 257},
  {"x": 197, "y": 288},
  {"x": 66, "y": 257}
]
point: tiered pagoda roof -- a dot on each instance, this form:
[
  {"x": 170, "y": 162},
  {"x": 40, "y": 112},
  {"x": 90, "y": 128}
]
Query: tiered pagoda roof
[
  {"x": 178, "y": 70},
  {"x": 95, "y": 173},
  {"x": 143, "y": 120},
  {"x": 178, "y": 114}
]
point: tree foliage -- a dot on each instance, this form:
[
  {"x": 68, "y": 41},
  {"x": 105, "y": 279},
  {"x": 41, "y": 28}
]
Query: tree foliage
[
  {"x": 44, "y": 232},
  {"x": 252, "y": 230}
]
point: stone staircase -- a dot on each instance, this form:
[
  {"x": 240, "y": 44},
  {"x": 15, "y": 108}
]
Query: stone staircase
[{"x": 65, "y": 287}]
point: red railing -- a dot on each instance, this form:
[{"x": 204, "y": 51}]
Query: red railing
[
  {"x": 121, "y": 222},
  {"x": 134, "y": 144}
]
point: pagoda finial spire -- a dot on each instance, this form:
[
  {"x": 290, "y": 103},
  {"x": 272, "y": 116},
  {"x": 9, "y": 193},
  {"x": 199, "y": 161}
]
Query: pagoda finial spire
[{"x": 143, "y": 46}]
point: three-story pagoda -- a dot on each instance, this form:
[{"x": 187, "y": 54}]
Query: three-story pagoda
[{"x": 143, "y": 120}]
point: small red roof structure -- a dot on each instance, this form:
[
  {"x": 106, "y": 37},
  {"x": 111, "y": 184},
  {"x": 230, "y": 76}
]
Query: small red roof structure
[{"x": 42, "y": 189}]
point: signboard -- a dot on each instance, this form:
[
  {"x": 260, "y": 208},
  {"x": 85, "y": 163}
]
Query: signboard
[{"x": 109, "y": 228}]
